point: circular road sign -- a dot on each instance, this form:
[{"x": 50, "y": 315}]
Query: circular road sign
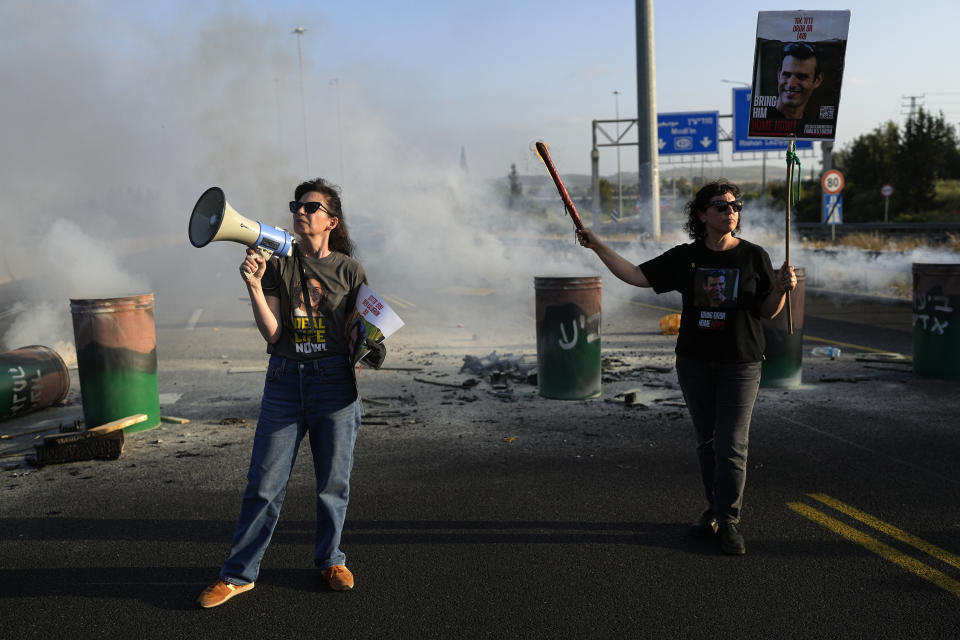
[
  {"x": 832, "y": 182},
  {"x": 886, "y": 191}
]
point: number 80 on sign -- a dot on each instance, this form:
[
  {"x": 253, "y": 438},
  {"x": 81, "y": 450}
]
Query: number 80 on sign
[{"x": 832, "y": 182}]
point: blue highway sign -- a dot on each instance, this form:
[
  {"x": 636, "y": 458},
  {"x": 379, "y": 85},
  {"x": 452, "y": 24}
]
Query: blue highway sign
[
  {"x": 832, "y": 208},
  {"x": 689, "y": 132}
]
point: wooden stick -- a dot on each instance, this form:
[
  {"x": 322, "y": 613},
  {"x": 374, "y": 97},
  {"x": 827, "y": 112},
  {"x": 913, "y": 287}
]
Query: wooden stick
[
  {"x": 790, "y": 154},
  {"x": 116, "y": 425}
]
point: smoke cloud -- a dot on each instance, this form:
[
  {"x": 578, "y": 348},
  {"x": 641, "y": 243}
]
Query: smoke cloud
[{"x": 114, "y": 128}]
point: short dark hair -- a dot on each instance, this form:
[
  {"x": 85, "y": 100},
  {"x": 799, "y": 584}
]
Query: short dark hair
[
  {"x": 339, "y": 237},
  {"x": 800, "y": 51},
  {"x": 694, "y": 225}
]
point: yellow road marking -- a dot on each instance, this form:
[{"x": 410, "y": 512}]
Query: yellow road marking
[
  {"x": 848, "y": 345},
  {"x": 892, "y": 531},
  {"x": 653, "y": 306},
  {"x": 875, "y": 546}
]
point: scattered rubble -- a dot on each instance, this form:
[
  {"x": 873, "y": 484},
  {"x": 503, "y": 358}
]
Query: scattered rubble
[{"x": 502, "y": 368}]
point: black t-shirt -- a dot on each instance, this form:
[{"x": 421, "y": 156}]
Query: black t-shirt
[
  {"x": 333, "y": 282},
  {"x": 722, "y": 294}
]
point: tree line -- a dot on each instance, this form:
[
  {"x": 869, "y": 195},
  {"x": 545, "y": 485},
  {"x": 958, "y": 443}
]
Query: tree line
[
  {"x": 920, "y": 160},
  {"x": 914, "y": 159}
]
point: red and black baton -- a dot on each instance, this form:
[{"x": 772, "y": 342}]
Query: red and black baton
[{"x": 567, "y": 202}]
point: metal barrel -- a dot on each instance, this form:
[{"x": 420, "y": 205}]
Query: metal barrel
[
  {"x": 117, "y": 359},
  {"x": 783, "y": 357},
  {"x": 31, "y": 378},
  {"x": 568, "y": 337},
  {"x": 936, "y": 320}
]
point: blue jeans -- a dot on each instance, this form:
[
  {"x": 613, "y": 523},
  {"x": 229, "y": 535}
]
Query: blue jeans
[
  {"x": 720, "y": 397},
  {"x": 318, "y": 397}
]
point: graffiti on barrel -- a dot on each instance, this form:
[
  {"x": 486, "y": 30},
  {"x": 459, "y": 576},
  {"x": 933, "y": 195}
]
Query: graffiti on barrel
[
  {"x": 936, "y": 330},
  {"x": 31, "y": 378},
  {"x": 568, "y": 337}
]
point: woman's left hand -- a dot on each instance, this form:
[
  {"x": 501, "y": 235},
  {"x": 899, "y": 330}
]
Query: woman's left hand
[{"x": 786, "y": 278}]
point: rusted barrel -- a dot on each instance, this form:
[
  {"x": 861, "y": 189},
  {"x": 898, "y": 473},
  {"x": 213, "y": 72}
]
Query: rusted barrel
[
  {"x": 568, "y": 337},
  {"x": 936, "y": 321},
  {"x": 117, "y": 359},
  {"x": 783, "y": 358},
  {"x": 31, "y": 378}
]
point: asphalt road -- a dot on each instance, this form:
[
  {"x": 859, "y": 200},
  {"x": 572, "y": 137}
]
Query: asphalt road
[{"x": 494, "y": 513}]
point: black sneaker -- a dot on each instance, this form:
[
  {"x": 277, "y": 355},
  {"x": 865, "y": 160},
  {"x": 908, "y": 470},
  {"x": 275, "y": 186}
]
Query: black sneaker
[
  {"x": 705, "y": 526},
  {"x": 731, "y": 542}
]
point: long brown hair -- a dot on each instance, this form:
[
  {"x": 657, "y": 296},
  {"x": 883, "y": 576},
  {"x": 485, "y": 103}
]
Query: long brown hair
[{"x": 339, "y": 236}]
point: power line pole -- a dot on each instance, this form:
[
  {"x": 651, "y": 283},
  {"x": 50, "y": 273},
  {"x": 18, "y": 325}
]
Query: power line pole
[
  {"x": 913, "y": 105},
  {"x": 616, "y": 97}
]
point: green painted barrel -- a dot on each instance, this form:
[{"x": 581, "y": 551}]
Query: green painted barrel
[
  {"x": 783, "y": 357},
  {"x": 936, "y": 321},
  {"x": 568, "y": 337},
  {"x": 31, "y": 378},
  {"x": 117, "y": 359}
]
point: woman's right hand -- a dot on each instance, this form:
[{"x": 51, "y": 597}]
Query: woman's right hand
[
  {"x": 253, "y": 266},
  {"x": 588, "y": 239}
]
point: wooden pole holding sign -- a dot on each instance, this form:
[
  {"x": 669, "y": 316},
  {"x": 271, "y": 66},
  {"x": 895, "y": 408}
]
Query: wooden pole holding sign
[{"x": 791, "y": 155}]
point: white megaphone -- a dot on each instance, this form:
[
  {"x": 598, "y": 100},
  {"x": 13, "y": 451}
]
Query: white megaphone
[{"x": 213, "y": 219}]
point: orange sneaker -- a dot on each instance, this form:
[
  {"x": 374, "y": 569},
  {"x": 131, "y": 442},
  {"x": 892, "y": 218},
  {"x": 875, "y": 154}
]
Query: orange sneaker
[
  {"x": 219, "y": 592},
  {"x": 339, "y": 578}
]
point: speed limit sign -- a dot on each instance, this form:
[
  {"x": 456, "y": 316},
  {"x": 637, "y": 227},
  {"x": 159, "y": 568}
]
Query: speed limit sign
[
  {"x": 886, "y": 191},
  {"x": 832, "y": 182}
]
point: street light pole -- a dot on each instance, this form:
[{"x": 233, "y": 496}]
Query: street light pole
[
  {"x": 303, "y": 103},
  {"x": 335, "y": 83},
  {"x": 616, "y": 98}
]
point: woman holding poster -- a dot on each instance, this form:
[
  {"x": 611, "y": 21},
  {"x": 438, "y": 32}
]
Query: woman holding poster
[
  {"x": 301, "y": 305},
  {"x": 728, "y": 285}
]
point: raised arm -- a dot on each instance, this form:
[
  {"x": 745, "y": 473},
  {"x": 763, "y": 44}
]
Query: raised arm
[
  {"x": 266, "y": 309},
  {"x": 617, "y": 264}
]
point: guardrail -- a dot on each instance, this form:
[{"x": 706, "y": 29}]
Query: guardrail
[{"x": 933, "y": 232}]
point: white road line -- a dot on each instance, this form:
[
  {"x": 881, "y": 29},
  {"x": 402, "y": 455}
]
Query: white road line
[{"x": 192, "y": 322}]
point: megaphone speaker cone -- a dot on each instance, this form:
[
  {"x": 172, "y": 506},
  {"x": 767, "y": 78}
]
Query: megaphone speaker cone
[{"x": 207, "y": 216}]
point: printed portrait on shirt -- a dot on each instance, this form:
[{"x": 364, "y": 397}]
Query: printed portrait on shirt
[
  {"x": 716, "y": 288},
  {"x": 316, "y": 297}
]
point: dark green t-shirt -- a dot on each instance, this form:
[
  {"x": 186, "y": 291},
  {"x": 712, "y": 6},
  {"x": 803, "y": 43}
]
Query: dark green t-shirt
[
  {"x": 333, "y": 282},
  {"x": 722, "y": 294}
]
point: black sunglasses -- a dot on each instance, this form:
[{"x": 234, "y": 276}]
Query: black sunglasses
[
  {"x": 804, "y": 49},
  {"x": 309, "y": 207},
  {"x": 721, "y": 205}
]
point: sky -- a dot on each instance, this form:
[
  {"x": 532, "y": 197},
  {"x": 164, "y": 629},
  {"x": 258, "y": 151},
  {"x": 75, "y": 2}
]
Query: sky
[
  {"x": 117, "y": 115},
  {"x": 486, "y": 77}
]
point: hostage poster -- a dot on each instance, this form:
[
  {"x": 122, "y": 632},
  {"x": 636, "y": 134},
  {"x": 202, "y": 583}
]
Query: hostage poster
[{"x": 797, "y": 73}]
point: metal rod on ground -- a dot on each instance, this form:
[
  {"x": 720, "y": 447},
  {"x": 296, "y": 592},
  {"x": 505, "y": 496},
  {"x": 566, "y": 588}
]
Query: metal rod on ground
[{"x": 790, "y": 157}]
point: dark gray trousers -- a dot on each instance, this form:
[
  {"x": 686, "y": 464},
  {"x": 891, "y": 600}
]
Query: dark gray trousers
[{"x": 720, "y": 397}]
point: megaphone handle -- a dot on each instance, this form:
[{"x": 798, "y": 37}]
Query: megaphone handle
[{"x": 265, "y": 253}]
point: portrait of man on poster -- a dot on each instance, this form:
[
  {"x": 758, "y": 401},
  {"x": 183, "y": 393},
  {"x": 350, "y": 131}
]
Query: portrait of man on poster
[{"x": 798, "y": 75}]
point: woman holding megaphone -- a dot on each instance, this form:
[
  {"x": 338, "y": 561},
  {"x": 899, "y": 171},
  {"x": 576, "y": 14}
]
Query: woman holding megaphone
[{"x": 301, "y": 304}]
